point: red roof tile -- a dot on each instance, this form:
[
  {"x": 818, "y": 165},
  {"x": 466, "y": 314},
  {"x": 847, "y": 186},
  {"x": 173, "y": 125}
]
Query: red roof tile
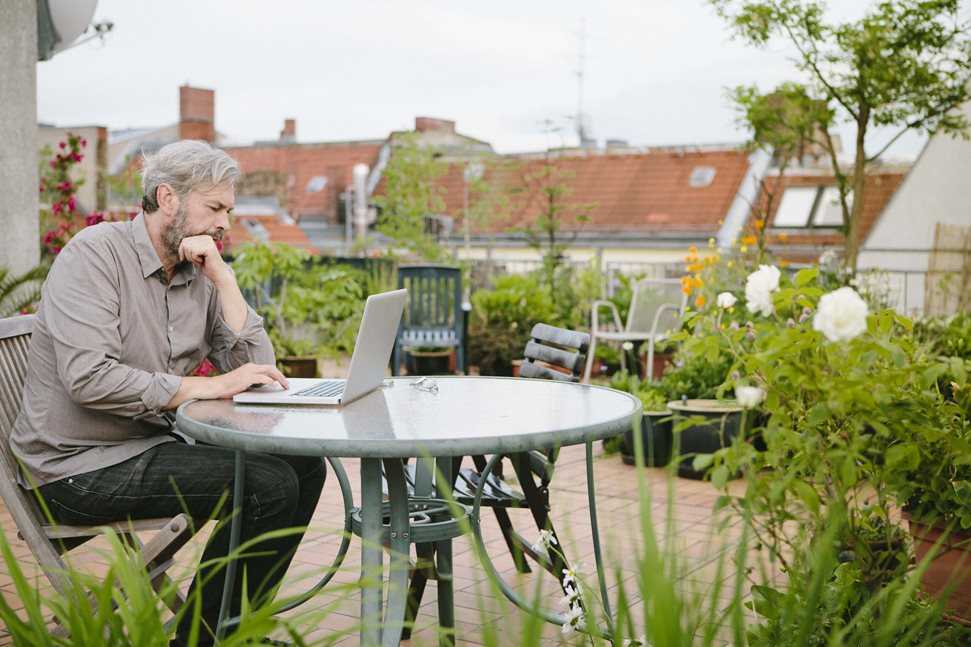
[{"x": 631, "y": 192}]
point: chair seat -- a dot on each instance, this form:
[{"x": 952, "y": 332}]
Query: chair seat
[
  {"x": 429, "y": 337},
  {"x": 495, "y": 494}
]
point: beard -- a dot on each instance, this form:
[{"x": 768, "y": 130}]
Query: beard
[{"x": 177, "y": 231}]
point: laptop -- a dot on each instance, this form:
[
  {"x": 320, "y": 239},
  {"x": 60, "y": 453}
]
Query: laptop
[{"x": 372, "y": 351}]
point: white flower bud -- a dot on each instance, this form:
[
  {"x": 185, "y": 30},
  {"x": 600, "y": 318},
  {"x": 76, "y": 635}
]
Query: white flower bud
[
  {"x": 726, "y": 300},
  {"x": 749, "y": 396}
]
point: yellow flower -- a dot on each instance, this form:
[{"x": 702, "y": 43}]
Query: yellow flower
[
  {"x": 783, "y": 263},
  {"x": 700, "y": 301},
  {"x": 743, "y": 249},
  {"x": 693, "y": 249},
  {"x": 730, "y": 263},
  {"x": 759, "y": 224},
  {"x": 783, "y": 237},
  {"x": 711, "y": 243},
  {"x": 749, "y": 240}
]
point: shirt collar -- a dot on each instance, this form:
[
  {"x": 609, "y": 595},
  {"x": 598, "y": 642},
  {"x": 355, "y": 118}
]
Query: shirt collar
[{"x": 148, "y": 257}]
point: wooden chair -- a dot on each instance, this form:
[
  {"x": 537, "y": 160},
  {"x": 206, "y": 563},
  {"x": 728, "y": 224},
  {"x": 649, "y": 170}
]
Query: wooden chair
[
  {"x": 434, "y": 314},
  {"x": 47, "y": 541},
  {"x": 554, "y": 354}
]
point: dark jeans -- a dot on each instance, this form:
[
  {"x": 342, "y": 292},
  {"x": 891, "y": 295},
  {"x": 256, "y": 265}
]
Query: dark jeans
[{"x": 280, "y": 492}]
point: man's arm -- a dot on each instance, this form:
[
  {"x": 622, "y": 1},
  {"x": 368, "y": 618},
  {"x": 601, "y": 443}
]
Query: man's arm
[
  {"x": 234, "y": 330},
  {"x": 226, "y": 386}
]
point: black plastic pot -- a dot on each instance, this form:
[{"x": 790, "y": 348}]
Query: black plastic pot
[
  {"x": 718, "y": 423},
  {"x": 427, "y": 362},
  {"x": 656, "y": 439}
]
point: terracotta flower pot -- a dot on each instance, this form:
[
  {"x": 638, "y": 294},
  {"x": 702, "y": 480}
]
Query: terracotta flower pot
[
  {"x": 299, "y": 366},
  {"x": 949, "y": 572}
]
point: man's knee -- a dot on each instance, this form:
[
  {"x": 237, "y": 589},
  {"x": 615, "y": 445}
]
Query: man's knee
[{"x": 272, "y": 489}]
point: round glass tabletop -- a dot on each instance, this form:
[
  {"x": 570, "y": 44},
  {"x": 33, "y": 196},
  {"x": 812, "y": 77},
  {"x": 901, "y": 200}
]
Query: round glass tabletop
[{"x": 466, "y": 415}]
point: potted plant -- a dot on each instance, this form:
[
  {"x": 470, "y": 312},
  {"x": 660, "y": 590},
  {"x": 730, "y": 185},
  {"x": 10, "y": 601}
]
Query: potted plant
[
  {"x": 307, "y": 307},
  {"x": 705, "y": 426},
  {"x": 501, "y": 319},
  {"x": 428, "y": 360},
  {"x": 657, "y": 438}
]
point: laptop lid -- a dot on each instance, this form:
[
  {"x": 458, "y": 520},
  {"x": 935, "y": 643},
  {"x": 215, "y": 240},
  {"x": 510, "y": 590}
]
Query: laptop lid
[{"x": 375, "y": 340}]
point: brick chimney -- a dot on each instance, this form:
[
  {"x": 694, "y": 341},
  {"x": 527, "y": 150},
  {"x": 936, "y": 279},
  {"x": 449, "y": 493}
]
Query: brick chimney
[
  {"x": 289, "y": 132},
  {"x": 197, "y": 113},
  {"x": 430, "y": 124}
]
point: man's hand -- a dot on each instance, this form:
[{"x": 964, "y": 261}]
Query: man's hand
[
  {"x": 246, "y": 376},
  {"x": 201, "y": 251}
]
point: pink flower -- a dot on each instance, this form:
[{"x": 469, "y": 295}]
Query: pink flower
[
  {"x": 49, "y": 237},
  {"x": 84, "y": 142},
  {"x": 205, "y": 369},
  {"x": 56, "y": 250},
  {"x": 94, "y": 218},
  {"x": 71, "y": 203},
  {"x": 53, "y": 164},
  {"x": 132, "y": 215},
  {"x": 62, "y": 145},
  {"x": 56, "y": 207}
]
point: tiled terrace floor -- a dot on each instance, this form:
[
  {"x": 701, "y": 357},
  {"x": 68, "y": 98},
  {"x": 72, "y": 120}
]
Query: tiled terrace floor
[{"x": 696, "y": 540}]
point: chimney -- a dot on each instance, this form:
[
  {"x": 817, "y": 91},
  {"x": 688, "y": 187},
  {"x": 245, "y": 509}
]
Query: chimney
[
  {"x": 289, "y": 132},
  {"x": 430, "y": 124},
  {"x": 197, "y": 113}
]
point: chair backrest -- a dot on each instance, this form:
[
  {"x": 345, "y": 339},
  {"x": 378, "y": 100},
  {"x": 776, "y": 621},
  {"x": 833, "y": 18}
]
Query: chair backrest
[
  {"x": 647, "y": 300},
  {"x": 434, "y": 298},
  {"x": 14, "y": 346},
  {"x": 555, "y": 348}
]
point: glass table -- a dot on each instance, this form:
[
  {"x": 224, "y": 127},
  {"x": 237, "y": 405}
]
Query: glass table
[{"x": 461, "y": 416}]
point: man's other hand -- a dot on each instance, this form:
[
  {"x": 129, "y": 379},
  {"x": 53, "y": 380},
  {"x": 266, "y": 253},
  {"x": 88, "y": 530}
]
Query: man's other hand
[{"x": 201, "y": 251}]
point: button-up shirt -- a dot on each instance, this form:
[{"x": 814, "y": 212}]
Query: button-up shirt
[{"x": 111, "y": 343}]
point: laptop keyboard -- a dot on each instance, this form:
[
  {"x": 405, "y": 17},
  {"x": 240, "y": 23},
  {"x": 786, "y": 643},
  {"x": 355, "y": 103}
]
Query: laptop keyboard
[{"x": 325, "y": 389}]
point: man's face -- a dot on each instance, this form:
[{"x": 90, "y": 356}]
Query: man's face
[{"x": 201, "y": 212}]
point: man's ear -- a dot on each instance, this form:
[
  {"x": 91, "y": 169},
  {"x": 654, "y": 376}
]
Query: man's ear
[{"x": 168, "y": 201}]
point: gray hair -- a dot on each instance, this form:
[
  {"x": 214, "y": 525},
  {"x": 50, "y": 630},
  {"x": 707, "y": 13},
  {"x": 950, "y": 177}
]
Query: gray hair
[{"x": 186, "y": 165}]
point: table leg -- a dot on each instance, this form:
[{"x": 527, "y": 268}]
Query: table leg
[
  {"x": 400, "y": 543},
  {"x": 235, "y": 530},
  {"x": 372, "y": 552},
  {"x": 443, "y": 564}
]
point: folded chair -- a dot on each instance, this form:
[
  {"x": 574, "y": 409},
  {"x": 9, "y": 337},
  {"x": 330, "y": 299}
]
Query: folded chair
[
  {"x": 554, "y": 354},
  {"x": 47, "y": 541}
]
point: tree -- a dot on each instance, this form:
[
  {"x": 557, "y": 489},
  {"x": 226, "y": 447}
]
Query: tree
[
  {"x": 905, "y": 65},
  {"x": 785, "y": 123},
  {"x": 546, "y": 184},
  {"x": 410, "y": 196}
]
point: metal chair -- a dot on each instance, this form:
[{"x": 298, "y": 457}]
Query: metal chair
[
  {"x": 656, "y": 309},
  {"x": 47, "y": 541},
  {"x": 434, "y": 315},
  {"x": 551, "y": 353}
]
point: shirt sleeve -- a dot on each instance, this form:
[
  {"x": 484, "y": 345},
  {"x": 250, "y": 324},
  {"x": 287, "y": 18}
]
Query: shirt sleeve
[
  {"x": 81, "y": 307},
  {"x": 230, "y": 349}
]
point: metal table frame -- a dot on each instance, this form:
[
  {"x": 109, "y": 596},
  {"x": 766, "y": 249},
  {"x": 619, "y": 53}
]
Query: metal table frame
[{"x": 374, "y": 631}]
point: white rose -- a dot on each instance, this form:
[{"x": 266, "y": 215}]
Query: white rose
[
  {"x": 749, "y": 396},
  {"x": 726, "y": 300},
  {"x": 841, "y": 315},
  {"x": 759, "y": 288}
]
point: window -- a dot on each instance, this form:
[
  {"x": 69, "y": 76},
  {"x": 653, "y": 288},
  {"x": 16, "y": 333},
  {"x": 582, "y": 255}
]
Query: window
[
  {"x": 796, "y": 207},
  {"x": 810, "y": 206},
  {"x": 701, "y": 176},
  {"x": 829, "y": 213},
  {"x": 316, "y": 184}
]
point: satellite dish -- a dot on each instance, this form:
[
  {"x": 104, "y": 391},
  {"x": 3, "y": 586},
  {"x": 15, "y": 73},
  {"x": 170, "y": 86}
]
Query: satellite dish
[{"x": 60, "y": 23}]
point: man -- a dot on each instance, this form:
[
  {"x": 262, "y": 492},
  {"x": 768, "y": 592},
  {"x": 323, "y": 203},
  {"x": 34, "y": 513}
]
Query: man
[{"x": 128, "y": 312}]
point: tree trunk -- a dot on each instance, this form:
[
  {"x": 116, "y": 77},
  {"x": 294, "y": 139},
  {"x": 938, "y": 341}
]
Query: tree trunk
[{"x": 851, "y": 248}]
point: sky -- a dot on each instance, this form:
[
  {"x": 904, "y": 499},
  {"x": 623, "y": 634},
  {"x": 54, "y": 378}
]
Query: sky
[{"x": 655, "y": 71}]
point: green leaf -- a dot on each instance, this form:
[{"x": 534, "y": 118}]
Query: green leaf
[
  {"x": 806, "y": 276},
  {"x": 702, "y": 462},
  {"x": 904, "y": 456}
]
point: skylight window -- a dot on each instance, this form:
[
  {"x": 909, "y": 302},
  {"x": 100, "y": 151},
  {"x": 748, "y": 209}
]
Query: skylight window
[
  {"x": 701, "y": 176},
  {"x": 317, "y": 184},
  {"x": 810, "y": 206},
  {"x": 796, "y": 207}
]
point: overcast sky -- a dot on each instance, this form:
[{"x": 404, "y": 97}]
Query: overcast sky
[{"x": 655, "y": 70}]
